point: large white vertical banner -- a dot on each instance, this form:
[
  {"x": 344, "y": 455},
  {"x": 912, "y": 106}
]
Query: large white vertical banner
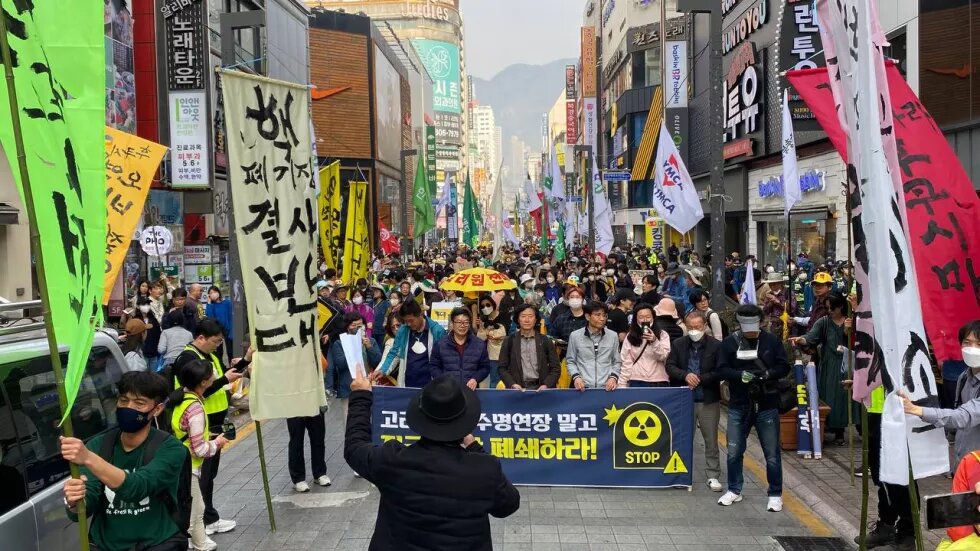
[
  {"x": 856, "y": 69},
  {"x": 274, "y": 200}
]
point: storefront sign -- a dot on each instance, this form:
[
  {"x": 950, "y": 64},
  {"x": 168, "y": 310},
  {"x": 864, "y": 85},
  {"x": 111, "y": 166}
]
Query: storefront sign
[
  {"x": 749, "y": 22},
  {"x": 727, "y": 5},
  {"x": 648, "y": 36},
  {"x": 811, "y": 180},
  {"x": 197, "y": 254},
  {"x": 744, "y": 92},
  {"x": 571, "y": 123},
  {"x": 800, "y": 49},
  {"x": 615, "y": 60},
  {"x": 676, "y": 120},
  {"x": 189, "y": 162},
  {"x": 441, "y": 60},
  {"x": 156, "y": 241},
  {"x": 589, "y": 117},
  {"x": 430, "y": 158},
  {"x": 738, "y": 148},
  {"x": 654, "y": 233},
  {"x": 570, "y": 83},
  {"x": 170, "y": 7},
  {"x": 676, "y": 74},
  {"x": 186, "y": 47},
  {"x": 198, "y": 273},
  {"x": 607, "y": 11},
  {"x": 588, "y": 62},
  {"x": 426, "y": 10}
]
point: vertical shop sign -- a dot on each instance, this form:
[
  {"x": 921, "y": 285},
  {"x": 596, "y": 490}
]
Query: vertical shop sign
[{"x": 186, "y": 45}]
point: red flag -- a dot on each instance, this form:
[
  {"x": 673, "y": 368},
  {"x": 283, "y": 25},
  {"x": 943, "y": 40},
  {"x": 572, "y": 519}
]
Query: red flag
[
  {"x": 389, "y": 242},
  {"x": 941, "y": 205}
]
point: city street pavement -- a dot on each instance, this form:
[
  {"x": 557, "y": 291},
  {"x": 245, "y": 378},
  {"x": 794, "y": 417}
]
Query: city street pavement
[{"x": 550, "y": 518}]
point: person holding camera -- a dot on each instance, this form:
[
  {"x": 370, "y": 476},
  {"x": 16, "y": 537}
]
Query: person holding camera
[
  {"x": 753, "y": 361},
  {"x": 190, "y": 425},
  {"x": 644, "y": 352}
]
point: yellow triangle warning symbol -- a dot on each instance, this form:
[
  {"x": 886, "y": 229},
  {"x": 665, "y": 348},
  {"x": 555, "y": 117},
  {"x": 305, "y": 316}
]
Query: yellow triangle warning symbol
[{"x": 675, "y": 465}]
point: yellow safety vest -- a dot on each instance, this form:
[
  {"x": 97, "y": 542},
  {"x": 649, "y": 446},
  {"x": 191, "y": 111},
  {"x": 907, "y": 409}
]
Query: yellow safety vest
[
  {"x": 877, "y": 400},
  {"x": 189, "y": 398},
  {"x": 217, "y": 402}
]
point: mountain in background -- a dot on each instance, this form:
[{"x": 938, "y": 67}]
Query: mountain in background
[{"x": 519, "y": 95}]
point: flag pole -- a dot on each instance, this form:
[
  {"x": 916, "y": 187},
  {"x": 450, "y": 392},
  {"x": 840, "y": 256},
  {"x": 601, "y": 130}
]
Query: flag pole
[{"x": 52, "y": 339}]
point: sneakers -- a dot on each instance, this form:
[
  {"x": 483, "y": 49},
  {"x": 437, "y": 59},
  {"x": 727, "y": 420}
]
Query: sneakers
[
  {"x": 859, "y": 471},
  {"x": 220, "y": 527},
  {"x": 209, "y": 545},
  {"x": 729, "y": 498},
  {"x": 714, "y": 484},
  {"x": 879, "y": 536},
  {"x": 775, "y": 504},
  {"x": 323, "y": 480},
  {"x": 301, "y": 487}
]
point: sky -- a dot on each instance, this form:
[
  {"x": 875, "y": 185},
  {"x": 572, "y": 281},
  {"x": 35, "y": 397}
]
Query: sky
[{"x": 500, "y": 33}]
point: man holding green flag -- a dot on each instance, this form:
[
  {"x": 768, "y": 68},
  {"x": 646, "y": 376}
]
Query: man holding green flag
[{"x": 425, "y": 216}]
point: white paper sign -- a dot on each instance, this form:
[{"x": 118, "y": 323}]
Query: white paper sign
[{"x": 353, "y": 346}]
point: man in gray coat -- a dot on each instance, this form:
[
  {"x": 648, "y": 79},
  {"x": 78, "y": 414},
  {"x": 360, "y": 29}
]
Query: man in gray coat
[{"x": 593, "y": 352}]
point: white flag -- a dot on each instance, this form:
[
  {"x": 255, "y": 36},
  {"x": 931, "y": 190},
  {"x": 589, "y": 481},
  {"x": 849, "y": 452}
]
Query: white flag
[
  {"x": 509, "y": 234},
  {"x": 571, "y": 224},
  {"x": 674, "y": 195},
  {"x": 498, "y": 212},
  {"x": 748, "y": 286},
  {"x": 533, "y": 203},
  {"x": 446, "y": 196},
  {"x": 603, "y": 214},
  {"x": 791, "y": 173}
]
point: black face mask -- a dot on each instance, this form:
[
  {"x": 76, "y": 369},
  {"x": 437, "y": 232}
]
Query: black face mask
[{"x": 132, "y": 420}]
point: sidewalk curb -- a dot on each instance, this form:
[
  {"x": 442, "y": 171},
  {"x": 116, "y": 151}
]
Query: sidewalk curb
[{"x": 823, "y": 518}]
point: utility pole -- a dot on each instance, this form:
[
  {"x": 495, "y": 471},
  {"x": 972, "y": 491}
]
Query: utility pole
[{"x": 716, "y": 123}]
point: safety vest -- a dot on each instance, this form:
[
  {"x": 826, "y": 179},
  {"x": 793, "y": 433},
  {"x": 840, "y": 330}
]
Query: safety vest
[
  {"x": 877, "y": 400},
  {"x": 217, "y": 402},
  {"x": 189, "y": 398}
]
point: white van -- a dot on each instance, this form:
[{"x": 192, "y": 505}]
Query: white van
[{"x": 32, "y": 471}]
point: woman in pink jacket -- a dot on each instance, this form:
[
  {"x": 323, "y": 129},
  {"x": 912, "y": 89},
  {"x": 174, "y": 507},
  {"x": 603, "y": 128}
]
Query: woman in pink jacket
[
  {"x": 644, "y": 352},
  {"x": 358, "y": 305}
]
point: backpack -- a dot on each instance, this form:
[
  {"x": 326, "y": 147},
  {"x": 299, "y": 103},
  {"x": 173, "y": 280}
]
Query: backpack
[
  {"x": 724, "y": 325},
  {"x": 180, "y": 511}
]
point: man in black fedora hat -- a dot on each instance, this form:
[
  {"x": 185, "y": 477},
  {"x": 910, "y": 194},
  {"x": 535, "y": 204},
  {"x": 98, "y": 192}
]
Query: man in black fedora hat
[{"x": 436, "y": 493}]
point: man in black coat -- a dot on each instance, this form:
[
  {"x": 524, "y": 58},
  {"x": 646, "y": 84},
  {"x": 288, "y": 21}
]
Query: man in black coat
[
  {"x": 692, "y": 363},
  {"x": 437, "y": 493},
  {"x": 528, "y": 360}
]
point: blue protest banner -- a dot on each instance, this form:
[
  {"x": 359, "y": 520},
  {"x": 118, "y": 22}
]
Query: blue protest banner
[{"x": 639, "y": 437}]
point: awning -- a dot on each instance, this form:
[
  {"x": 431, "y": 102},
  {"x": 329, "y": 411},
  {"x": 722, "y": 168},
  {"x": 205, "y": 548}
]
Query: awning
[
  {"x": 811, "y": 213},
  {"x": 8, "y": 214}
]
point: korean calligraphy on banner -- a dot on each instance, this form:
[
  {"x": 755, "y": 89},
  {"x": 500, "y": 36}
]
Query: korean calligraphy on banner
[
  {"x": 357, "y": 241},
  {"x": 130, "y": 163},
  {"x": 65, "y": 144},
  {"x": 938, "y": 220},
  {"x": 627, "y": 438},
  {"x": 328, "y": 204},
  {"x": 270, "y": 165},
  {"x": 882, "y": 247}
]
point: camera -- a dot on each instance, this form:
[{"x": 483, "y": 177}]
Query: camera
[{"x": 228, "y": 430}]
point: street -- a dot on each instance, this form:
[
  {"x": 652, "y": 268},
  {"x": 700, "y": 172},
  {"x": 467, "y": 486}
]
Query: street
[{"x": 550, "y": 518}]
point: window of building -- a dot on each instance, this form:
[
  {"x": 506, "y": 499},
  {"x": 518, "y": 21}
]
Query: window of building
[
  {"x": 897, "y": 49},
  {"x": 651, "y": 62},
  {"x": 811, "y": 235}
]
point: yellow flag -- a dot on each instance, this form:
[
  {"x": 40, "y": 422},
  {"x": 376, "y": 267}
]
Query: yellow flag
[
  {"x": 328, "y": 203},
  {"x": 130, "y": 163},
  {"x": 560, "y": 154},
  {"x": 357, "y": 247}
]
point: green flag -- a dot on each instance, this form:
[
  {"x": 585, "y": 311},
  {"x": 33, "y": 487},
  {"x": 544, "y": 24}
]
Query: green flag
[
  {"x": 59, "y": 80},
  {"x": 425, "y": 216},
  {"x": 471, "y": 225},
  {"x": 560, "y": 244}
]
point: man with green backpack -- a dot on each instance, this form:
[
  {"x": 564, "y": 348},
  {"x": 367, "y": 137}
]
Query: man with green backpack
[{"x": 135, "y": 479}]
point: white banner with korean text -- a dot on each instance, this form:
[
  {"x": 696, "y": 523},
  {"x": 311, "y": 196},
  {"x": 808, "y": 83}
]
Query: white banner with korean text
[{"x": 274, "y": 202}]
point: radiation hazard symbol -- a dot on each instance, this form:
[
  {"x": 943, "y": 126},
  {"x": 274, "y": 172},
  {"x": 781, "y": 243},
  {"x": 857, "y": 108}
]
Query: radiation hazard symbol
[{"x": 642, "y": 438}]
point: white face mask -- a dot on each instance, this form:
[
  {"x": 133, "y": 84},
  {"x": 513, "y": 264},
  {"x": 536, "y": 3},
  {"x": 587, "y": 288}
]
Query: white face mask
[
  {"x": 394, "y": 301},
  {"x": 358, "y": 300},
  {"x": 487, "y": 310},
  {"x": 145, "y": 308},
  {"x": 575, "y": 303},
  {"x": 610, "y": 272},
  {"x": 971, "y": 356},
  {"x": 695, "y": 335}
]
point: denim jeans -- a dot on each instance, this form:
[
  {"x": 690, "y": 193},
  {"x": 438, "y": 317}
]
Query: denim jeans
[{"x": 766, "y": 423}]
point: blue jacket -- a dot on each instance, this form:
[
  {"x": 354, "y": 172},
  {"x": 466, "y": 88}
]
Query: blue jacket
[
  {"x": 220, "y": 311},
  {"x": 399, "y": 349},
  {"x": 338, "y": 374},
  {"x": 380, "y": 312},
  {"x": 473, "y": 363},
  {"x": 676, "y": 288}
]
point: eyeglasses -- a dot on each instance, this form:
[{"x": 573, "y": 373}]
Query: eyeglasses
[{"x": 461, "y": 323}]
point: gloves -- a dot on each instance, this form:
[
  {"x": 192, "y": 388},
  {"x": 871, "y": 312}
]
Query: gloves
[{"x": 747, "y": 377}]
